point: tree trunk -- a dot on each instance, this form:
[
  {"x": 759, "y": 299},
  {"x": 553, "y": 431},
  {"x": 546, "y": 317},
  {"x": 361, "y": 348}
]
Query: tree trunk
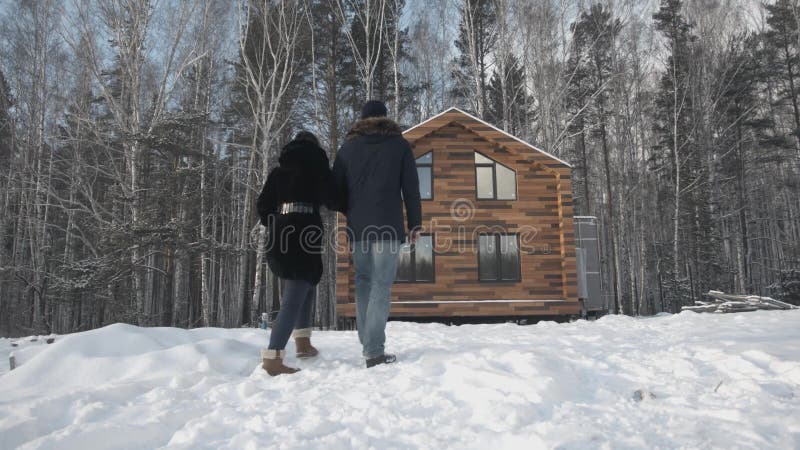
[
  {"x": 677, "y": 192},
  {"x": 244, "y": 251},
  {"x": 254, "y": 311}
]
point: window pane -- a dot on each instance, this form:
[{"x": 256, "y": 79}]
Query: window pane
[
  {"x": 427, "y": 158},
  {"x": 506, "y": 183},
  {"x": 404, "y": 264},
  {"x": 423, "y": 258},
  {"x": 480, "y": 159},
  {"x": 425, "y": 183},
  {"x": 485, "y": 182},
  {"x": 509, "y": 257},
  {"x": 487, "y": 260}
]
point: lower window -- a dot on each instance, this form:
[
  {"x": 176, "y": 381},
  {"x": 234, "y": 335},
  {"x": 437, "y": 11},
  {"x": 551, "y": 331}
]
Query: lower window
[
  {"x": 416, "y": 261},
  {"x": 498, "y": 257}
]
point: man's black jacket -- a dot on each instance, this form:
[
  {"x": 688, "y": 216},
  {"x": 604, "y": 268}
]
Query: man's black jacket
[{"x": 372, "y": 169}]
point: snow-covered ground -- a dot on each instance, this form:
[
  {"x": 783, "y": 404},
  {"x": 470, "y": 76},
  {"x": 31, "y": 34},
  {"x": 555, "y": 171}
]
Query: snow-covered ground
[{"x": 683, "y": 381}]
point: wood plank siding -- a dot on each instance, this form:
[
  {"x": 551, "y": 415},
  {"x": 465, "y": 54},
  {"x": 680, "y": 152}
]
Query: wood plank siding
[{"x": 542, "y": 216}]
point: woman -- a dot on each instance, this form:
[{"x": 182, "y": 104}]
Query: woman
[{"x": 289, "y": 208}]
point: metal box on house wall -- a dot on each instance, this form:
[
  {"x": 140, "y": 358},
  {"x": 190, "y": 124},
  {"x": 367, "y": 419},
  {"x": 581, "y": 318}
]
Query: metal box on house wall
[{"x": 590, "y": 289}]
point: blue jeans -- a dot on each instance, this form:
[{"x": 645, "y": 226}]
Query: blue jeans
[
  {"x": 376, "y": 267},
  {"x": 295, "y": 312}
]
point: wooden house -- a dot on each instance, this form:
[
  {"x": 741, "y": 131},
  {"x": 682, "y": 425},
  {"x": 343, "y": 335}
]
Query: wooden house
[{"x": 498, "y": 235}]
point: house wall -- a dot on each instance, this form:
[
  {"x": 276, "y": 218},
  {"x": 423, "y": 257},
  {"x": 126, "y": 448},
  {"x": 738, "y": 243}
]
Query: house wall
[{"x": 542, "y": 215}]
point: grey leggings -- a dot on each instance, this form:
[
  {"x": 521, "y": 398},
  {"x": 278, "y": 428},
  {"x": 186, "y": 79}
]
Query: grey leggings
[{"x": 295, "y": 312}]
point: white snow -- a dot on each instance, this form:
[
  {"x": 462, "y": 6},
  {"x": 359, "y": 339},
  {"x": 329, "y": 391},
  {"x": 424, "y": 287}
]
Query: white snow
[{"x": 682, "y": 381}]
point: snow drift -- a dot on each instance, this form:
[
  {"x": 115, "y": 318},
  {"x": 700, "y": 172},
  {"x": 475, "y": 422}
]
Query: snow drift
[{"x": 687, "y": 380}]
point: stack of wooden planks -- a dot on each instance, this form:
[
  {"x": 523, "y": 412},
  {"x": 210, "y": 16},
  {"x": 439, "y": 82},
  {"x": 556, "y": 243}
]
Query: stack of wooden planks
[{"x": 729, "y": 303}]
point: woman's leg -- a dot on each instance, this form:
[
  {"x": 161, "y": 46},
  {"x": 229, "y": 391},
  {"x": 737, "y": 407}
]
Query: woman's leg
[
  {"x": 302, "y": 329},
  {"x": 294, "y": 298},
  {"x": 304, "y": 316}
]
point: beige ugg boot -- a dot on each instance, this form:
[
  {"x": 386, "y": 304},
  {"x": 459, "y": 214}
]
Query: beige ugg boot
[
  {"x": 273, "y": 362},
  {"x": 302, "y": 342}
]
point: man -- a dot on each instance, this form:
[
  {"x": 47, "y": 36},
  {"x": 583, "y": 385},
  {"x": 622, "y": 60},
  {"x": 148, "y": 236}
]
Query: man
[{"x": 375, "y": 174}]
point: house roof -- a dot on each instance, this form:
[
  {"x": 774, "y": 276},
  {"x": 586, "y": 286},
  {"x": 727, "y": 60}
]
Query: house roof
[{"x": 479, "y": 127}]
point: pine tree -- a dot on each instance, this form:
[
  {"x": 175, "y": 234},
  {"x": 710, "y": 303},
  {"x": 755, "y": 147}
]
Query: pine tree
[
  {"x": 748, "y": 139},
  {"x": 334, "y": 74},
  {"x": 476, "y": 40},
  {"x": 592, "y": 72},
  {"x": 674, "y": 124},
  {"x": 383, "y": 79},
  {"x": 738, "y": 129},
  {"x": 576, "y": 103},
  {"x": 514, "y": 97},
  {"x": 6, "y": 125},
  {"x": 8, "y": 215},
  {"x": 783, "y": 41}
]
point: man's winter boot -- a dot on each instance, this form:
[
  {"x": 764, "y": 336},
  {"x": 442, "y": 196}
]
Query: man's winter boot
[
  {"x": 273, "y": 362},
  {"x": 302, "y": 342},
  {"x": 383, "y": 359}
]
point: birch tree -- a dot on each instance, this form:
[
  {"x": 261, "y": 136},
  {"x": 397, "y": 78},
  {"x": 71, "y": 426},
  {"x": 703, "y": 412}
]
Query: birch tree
[
  {"x": 137, "y": 102},
  {"x": 368, "y": 15},
  {"x": 268, "y": 44},
  {"x": 476, "y": 41}
]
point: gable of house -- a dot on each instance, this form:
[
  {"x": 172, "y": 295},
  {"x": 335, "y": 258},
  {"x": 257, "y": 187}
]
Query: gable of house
[{"x": 490, "y": 133}]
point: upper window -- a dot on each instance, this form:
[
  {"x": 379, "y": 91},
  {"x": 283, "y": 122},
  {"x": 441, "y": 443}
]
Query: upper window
[
  {"x": 416, "y": 261},
  {"x": 425, "y": 174},
  {"x": 498, "y": 257},
  {"x": 494, "y": 181}
]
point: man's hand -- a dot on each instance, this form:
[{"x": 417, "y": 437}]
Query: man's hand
[{"x": 413, "y": 236}]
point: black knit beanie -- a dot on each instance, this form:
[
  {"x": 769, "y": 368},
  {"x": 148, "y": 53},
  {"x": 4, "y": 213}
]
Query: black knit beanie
[{"x": 373, "y": 108}]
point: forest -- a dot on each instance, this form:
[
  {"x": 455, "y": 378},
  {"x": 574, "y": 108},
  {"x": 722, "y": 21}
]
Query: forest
[{"x": 135, "y": 136}]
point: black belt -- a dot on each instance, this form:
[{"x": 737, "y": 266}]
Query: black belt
[{"x": 297, "y": 207}]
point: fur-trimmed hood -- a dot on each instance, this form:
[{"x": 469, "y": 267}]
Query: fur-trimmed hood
[
  {"x": 374, "y": 126},
  {"x": 303, "y": 154}
]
